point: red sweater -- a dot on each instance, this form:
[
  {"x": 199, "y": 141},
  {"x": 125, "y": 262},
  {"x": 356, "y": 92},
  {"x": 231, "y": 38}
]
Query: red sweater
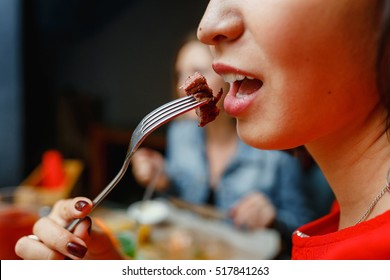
[{"x": 368, "y": 240}]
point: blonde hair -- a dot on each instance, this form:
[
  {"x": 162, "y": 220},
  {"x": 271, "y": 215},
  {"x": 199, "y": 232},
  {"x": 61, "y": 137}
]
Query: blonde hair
[{"x": 190, "y": 37}]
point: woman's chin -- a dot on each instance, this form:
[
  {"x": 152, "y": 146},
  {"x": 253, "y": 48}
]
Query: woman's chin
[{"x": 264, "y": 139}]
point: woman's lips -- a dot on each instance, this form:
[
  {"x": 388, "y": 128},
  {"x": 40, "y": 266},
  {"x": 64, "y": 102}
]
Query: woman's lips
[{"x": 241, "y": 95}]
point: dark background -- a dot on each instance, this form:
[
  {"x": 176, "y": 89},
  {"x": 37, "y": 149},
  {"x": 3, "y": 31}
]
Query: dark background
[{"x": 69, "y": 65}]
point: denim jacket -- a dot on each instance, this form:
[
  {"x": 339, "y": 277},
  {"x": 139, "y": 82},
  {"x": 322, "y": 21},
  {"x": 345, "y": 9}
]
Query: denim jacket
[{"x": 276, "y": 174}]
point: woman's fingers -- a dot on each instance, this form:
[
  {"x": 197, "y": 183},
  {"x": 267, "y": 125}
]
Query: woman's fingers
[
  {"x": 53, "y": 244},
  {"x": 56, "y": 238},
  {"x": 51, "y": 239},
  {"x": 64, "y": 211},
  {"x": 33, "y": 249},
  {"x": 83, "y": 229}
]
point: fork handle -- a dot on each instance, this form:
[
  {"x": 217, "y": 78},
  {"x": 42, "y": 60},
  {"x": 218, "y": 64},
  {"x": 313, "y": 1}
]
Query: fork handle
[{"x": 71, "y": 226}]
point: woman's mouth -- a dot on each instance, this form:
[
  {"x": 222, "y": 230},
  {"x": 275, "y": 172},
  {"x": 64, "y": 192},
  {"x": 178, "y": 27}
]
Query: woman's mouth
[
  {"x": 244, "y": 85},
  {"x": 241, "y": 93}
]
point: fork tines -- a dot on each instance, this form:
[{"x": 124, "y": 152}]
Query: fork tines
[{"x": 165, "y": 113}]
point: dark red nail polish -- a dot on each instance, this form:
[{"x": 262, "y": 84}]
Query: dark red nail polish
[
  {"x": 80, "y": 205},
  {"x": 76, "y": 250}
]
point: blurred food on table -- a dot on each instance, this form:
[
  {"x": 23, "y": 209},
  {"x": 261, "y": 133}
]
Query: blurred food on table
[
  {"x": 148, "y": 212},
  {"x": 186, "y": 234}
]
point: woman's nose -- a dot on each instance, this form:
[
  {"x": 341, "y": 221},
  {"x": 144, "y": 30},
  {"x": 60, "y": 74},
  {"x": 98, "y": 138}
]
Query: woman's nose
[{"x": 221, "y": 22}]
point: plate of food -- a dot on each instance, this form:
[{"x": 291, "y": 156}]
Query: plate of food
[{"x": 148, "y": 212}]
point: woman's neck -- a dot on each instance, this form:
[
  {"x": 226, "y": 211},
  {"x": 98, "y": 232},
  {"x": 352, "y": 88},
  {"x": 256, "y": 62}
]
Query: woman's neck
[{"x": 355, "y": 162}]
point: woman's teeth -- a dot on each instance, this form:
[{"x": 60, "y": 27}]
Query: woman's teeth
[
  {"x": 231, "y": 78},
  {"x": 240, "y": 95}
]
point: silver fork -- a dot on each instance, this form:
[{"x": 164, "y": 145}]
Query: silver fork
[{"x": 148, "y": 124}]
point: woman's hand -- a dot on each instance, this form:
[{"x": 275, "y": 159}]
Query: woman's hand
[
  {"x": 50, "y": 239},
  {"x": 146, "y": 164},
  {"x": 253, "y": 211}
]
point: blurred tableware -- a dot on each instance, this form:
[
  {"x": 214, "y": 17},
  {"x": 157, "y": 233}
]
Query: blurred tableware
[
  {"x": 202, "y": 210},
  {"x": 148, "y": 212},
  {"x": 218, "y": 239},
  {"x": 151, "y": 187}
]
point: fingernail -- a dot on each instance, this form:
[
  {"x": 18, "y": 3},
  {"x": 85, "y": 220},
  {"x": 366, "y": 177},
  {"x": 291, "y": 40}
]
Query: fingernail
[
  {"x": 76, "y": 250},
  {"x": 80, "y": 205}
]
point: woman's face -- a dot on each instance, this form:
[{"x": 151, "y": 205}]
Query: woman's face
[{"x": 299, "y": 70}]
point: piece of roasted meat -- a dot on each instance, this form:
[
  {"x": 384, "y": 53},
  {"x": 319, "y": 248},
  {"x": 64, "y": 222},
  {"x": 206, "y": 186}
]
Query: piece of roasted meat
[{"x": 196, "y": 85}]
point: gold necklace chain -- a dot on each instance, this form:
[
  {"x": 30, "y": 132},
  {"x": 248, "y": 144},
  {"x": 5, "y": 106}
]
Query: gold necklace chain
[{"x": 377, "y": 198}]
